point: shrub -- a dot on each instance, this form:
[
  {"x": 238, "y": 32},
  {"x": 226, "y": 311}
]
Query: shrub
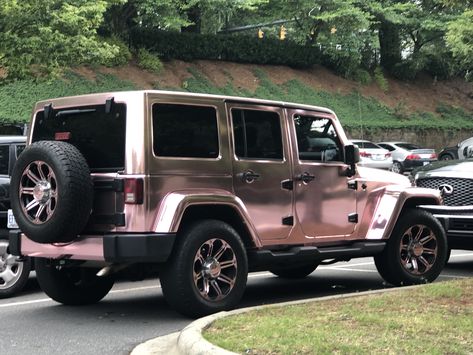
[
  {"x": 148, "y": 61},
  {"x": 122, "y": 57},
  {"x": 380, "y": 79}
]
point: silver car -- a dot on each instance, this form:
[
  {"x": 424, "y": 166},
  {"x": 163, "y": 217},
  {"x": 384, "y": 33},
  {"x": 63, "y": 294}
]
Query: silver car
[
  {"x": 372, "y": 155},
  {"x": 407, "y": 156}
]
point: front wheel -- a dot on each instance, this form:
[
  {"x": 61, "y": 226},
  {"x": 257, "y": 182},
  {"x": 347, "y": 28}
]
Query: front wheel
[
  {"x": 71, "y": 285},
  {"x": 14, "y": 272},
  {"x": 208, "y": 270},
  {"x": 416, "y": 251},
  {"x": 446, "y": 157}
]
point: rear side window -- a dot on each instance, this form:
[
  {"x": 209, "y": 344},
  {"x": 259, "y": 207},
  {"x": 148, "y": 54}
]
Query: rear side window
[
  {"x": 99, "y": 136},
  {"x": 257, "y": 134},
  {"x": 185, "y": 131}
]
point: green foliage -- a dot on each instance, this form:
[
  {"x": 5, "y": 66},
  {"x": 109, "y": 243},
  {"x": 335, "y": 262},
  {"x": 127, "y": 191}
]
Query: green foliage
[
  {"x": 460, "y": 39},
  {"x": 380, "y": 79},
  {"x": 17, "y": 98},
  {"x": 353, "y": 110},
  {"x": 148, "y": 61},
  {"x": 43, "y": 36},
  {"x": 122, "y": 57},
  {"x": 240, "y": 49}
]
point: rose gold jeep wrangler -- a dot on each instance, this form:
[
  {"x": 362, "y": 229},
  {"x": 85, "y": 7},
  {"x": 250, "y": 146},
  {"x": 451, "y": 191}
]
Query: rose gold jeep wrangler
[{"x": 204, "y": 189}]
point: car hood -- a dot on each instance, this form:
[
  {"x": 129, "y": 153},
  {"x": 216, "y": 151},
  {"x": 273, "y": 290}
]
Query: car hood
[
  {"x": 382, "y": 176},
  {"x": 446, "y": 169}
]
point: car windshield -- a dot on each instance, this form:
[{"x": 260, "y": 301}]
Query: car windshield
[{"x": 408, "y": 146}]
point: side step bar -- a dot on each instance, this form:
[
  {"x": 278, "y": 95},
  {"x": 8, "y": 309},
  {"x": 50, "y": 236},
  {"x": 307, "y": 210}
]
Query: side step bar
[{"x": 265, "y": 259}]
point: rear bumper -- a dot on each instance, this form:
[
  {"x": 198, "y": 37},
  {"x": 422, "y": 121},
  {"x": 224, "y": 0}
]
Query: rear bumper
[{"x": 113, "y": 248}]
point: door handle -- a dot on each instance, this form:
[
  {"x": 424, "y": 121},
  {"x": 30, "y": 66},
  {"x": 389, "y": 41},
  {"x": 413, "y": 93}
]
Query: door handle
[
  {"x": 306, "y": 177},
  {"x": 250, "y": 176}
]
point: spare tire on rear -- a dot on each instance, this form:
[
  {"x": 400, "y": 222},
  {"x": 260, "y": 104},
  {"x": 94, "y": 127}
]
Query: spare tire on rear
[{"x": 51, "y": 192}]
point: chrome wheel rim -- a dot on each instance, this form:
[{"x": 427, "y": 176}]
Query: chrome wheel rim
[
  {"x": 215, "y": 269},
  {"x": 38, "y": 192},
  {"x": 396, "y": 168},
  {"x": 419, "y": 249},
  {"x": 10, "y": 268}
]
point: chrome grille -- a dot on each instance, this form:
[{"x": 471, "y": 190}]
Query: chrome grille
[{"x": 462, "y": 194}]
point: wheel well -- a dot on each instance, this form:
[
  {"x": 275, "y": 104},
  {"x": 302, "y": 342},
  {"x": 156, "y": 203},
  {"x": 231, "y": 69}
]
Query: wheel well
[
  {"x": 413, "y": 202},
  {"x": 224, "y": 213}
]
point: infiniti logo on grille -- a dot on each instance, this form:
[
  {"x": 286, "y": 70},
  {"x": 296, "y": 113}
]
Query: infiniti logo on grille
[{"x": 446, "y": 189}]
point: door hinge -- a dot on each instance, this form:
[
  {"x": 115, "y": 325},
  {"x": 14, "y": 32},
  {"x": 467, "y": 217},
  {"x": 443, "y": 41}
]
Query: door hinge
[
  {"x": 353, "y": 185},
  {"x": 288, "y": 221},
  {"x": 353, "y": 218}
]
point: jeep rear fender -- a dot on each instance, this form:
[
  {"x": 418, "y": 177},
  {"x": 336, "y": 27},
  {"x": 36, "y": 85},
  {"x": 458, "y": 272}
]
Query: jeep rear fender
[
  {"x": 174, "y": 205},
  {"x": 391, "y": 201}
]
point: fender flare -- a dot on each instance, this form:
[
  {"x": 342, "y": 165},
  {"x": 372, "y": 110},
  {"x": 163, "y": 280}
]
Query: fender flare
[
  {"x": 391, "y": 205},
  {"x": 174, "y": 205}
]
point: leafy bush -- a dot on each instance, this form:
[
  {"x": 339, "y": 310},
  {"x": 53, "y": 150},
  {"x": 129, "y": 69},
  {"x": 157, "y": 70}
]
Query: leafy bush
[
  {"x": 380, "y": 79},
  {"x": 122, "y": 57},
  {"x": 148, "y": 61},
  {"x": 235, "y": 48}
]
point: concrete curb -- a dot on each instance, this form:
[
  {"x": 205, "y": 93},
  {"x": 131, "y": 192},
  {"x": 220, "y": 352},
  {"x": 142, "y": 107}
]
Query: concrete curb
[{"x": 190, "y": 341}]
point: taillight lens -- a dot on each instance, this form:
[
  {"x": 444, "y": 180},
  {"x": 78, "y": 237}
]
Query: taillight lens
[
  {"x": 365, "y": 154},
  {"x": 413, "y": 157},
  {"x": 133, "y": 190},
  {"x": 387, "y": 155},
  {"x": 433, "y": 156}
]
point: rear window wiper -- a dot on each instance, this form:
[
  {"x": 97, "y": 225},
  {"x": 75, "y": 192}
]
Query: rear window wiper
[{"x": 74, "y": 112}]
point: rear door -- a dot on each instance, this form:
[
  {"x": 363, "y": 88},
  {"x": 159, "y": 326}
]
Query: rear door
[{"x": 261, "y": 165}]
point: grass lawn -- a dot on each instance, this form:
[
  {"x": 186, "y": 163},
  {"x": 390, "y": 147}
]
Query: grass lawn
[{"x": 431, "y": 319}]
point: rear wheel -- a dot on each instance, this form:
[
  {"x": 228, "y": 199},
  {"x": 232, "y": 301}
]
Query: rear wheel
[
  {"x": 208, "y": 270},
  {"x": 14, "y": 272},
  {"x": 416, "y": 251},
  {"x": 446, "y": 156},
  {"x": 71, "y": 285},
  {"x": 397, "y": 168},
  {"x": 295, "y": 272}
]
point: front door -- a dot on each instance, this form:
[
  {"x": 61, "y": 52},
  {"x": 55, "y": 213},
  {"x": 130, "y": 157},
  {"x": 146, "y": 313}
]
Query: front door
[
  {"x": 325, "y": 203},
  {"x": 260, "y": 166}
]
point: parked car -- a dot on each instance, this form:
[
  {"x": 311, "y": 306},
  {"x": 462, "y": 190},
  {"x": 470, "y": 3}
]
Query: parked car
[
  {"x": 372, "y": 155},
  {"x": 462, "y": 150},
  {"x": 407, "y": 156},
  {"x": 454, "y": 179},
  {"x": 204, "y": 189},
  {"x": 14, "y": 272}
]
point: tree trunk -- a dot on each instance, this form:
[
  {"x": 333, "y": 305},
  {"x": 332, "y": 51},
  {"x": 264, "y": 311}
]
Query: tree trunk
[
  {"x": 195, "y": 16},
  {"x": 390, "y": 45}
]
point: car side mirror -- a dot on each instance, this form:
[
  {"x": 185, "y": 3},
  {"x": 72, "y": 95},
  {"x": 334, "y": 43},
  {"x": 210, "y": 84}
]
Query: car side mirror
[{"x": 352, "y": 156}]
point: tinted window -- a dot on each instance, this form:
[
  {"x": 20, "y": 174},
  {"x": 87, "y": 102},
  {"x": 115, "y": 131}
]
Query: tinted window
[
  {"x": 387, "y": 146},
  {"x": 257, "y": 134},
  {"x": 4, "y": 159},
  {"x": 185, "y": 131},
  {"x": 98, "y": 135},
  {"x": 367, "y": 145},
  {"x": 408, "y": 146},
  {"x": 317, "y": 139}
]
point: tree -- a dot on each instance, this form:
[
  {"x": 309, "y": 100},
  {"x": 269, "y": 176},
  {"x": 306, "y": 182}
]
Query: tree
[
  {"x": 43, "y": 36},
  {"x": 460, "y": 40}
]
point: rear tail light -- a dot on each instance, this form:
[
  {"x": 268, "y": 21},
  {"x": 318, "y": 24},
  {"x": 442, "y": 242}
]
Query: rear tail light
[
  {"x": 413, "y": 157},
  {"x": 433, "y": 156},
  {"x": 365, "y": 154},
  {"x": 387, "y": 155},
  {"x": 133, "y": 190}
]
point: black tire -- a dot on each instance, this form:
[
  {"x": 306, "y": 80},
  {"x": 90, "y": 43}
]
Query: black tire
[
  {"x": 294, "y": 272},
  {"x": 71, "y": 285},
  {"x": 416, "y": 251},
  {"x": 397, "y": 168},
  {"x": 51, "y": 192},
  {"x": 14, "y": 273},
  {"x": 193, "y": 276},
  {"x": 446, "y": 156}
]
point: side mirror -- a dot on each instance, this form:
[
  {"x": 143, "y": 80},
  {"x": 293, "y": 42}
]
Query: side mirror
[{"x": 352, "y": 156}]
